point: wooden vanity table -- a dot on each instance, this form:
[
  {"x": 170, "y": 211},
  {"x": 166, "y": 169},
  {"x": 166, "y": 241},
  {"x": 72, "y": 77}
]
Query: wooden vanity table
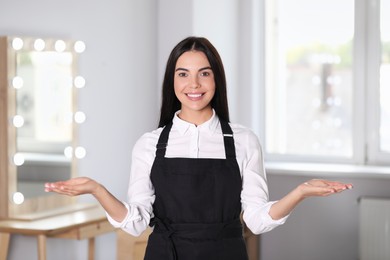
[{"x": 86, "y": 223}]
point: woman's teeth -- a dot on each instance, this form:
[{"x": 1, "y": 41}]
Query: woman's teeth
[{"x": 194, "y": 95}]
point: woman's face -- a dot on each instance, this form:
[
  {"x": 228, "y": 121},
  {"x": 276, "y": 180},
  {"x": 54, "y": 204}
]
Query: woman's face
[{"x": 194, "y": 83}]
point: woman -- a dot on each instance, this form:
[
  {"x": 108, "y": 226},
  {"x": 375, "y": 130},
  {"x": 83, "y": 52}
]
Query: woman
[{"x": 194, "y": 176}]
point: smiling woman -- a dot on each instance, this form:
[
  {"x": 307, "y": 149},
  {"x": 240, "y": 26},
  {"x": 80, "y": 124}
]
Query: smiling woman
[{"x": 197, "y": 177}]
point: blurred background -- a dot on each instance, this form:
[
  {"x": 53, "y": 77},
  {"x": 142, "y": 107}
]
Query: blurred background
[{"x": 311, "y": 78}]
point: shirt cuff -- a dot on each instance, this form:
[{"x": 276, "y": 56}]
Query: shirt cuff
[
  {"x": 258, "y": 219},
  {"x": 121, "y": 224},
  {"x": 269, "y": 219}
]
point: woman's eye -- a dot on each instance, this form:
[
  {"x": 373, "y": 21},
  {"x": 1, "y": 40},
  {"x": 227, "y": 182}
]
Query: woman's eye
[
  {"x": 205, "y": 73},
  {"x": 182, "y": 74}
]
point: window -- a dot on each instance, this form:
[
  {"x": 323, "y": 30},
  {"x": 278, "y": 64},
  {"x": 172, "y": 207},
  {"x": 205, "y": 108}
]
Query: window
[
  {"x": 385, "y": 77},
  {"x": 327, "y": 97}
]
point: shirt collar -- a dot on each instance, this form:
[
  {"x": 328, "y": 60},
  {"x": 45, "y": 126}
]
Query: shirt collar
[{"x": 183, "y": 126}]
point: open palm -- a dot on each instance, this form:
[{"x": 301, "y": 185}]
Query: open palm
[{"x": 73, "y": 187}]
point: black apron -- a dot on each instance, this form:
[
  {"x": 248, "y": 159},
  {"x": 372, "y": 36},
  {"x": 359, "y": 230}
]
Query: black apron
[{"x": 197, "y": 206}]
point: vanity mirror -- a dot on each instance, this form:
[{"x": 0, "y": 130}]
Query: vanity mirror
[{"x": 39, "y": 82}]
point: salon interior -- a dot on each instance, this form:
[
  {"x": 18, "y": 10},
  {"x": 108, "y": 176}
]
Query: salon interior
[{"x": 315, "y": 115}]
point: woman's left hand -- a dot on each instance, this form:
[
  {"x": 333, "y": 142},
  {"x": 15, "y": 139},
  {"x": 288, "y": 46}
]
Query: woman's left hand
[
  {"x": 321, "y": 188},
  {"x": 312, "y": 188}
]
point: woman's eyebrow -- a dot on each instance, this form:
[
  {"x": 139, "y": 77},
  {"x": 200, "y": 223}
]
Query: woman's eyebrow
[
  {"x": 181, "y": 69},
  {"x": 204, "y": 68}
]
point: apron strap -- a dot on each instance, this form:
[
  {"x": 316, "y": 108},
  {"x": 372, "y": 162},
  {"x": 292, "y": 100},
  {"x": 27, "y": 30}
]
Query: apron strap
[
  {"x": 162, "y": 143},
  {"x": 228, "y": 140}
]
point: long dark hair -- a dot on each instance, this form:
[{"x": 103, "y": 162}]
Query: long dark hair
[{"x": 170, "y": 103}]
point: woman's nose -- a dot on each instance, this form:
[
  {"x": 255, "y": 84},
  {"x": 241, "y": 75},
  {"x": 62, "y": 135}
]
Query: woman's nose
[{"x": 195, "y": 82}]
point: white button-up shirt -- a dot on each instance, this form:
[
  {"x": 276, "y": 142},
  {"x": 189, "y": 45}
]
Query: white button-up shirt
[{"x": 202, "y": 141}]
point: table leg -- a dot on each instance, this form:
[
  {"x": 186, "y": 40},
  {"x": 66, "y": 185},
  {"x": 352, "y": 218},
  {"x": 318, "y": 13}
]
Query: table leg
[
  {"x": 41, "y": 247},
  {"x": 4, "y": 243},
  {"x": 91, "y": 248}
]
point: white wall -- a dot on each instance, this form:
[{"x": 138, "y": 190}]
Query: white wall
[
  {"x": 128, "y": 42},
  {"x": 320, "y": 228}
]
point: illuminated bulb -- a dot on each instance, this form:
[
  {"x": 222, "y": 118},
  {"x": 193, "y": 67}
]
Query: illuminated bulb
[
  {"x": 18, "y": 159},
  {"x": 79, "y": 46},
  {"x": 68, "y": 152},
  {"x": 79, "y": 117},
  {"x": 80, "y": 152},
  {"x": 18, "y": 198},
  {"x": 17, "y": 82},
  {"x": 39, "y": 45},
  {"x": 60, "y": 46},
  {"x": 79, "y": 82},
  {"x": 18, "y": 121},
  {"x": 17, "y": 44}
]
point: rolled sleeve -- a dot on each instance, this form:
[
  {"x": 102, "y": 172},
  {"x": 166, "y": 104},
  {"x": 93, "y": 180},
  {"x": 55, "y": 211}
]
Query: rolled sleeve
[
  {"x": 135, "y": 222},
  {"x": 115, "y": 223},
  {"x": 259, "y": 221}
]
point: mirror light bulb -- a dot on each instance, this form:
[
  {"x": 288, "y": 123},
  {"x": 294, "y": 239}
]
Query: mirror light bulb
[
  {"x": 39, "y": 45},
  {"x": 79, "y": 82},
  {"x": 18, "y": 198},
  {"x": 17, "y": 44},
  {"x": 17, "y": 82},
  {"x": 60, "y": 46},
  {"x": 80, "y": 152},
  {"x": 79, "y": 46},
  {"x": 79, "y": 117},
  {"x": 18, "y": 121},
  {"x": 18, "y": 159}
]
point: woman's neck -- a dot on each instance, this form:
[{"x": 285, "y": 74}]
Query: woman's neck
[{"x": 196, "y": 117}]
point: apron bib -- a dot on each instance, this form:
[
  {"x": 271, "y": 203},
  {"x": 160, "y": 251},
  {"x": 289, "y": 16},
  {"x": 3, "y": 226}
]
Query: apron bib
[{"x": 197, "y": 206}]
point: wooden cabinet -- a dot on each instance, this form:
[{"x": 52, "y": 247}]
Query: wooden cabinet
[
  {"x": 130, "y": 247},
  {"x": 252, "y": 244}
]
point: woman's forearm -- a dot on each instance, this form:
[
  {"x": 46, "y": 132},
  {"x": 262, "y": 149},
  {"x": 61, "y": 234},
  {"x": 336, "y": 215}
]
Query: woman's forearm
[
  {"x": 114, "y": 207},
  {"x": 284, "y": 206}
]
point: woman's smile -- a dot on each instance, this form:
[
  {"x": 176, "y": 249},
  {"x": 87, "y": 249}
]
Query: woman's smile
[{"x": 195, "y": 96}]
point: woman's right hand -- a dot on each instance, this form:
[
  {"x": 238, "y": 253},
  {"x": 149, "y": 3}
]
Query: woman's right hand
[
  {"x": 74, "y": 187},
  {"x": 83, "y": 185}
]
